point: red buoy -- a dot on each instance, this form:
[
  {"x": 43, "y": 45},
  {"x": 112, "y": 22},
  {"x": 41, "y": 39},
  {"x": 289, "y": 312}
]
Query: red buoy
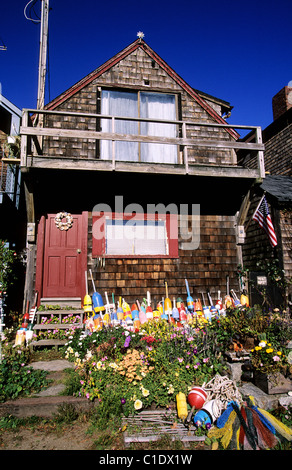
[{"x": 197, "y": 397}]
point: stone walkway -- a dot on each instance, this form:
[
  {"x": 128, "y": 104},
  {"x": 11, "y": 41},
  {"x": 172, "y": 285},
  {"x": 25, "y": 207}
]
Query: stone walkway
[
  {"x": 56, "y": 373},
  {"x": 46, "y": 402}
]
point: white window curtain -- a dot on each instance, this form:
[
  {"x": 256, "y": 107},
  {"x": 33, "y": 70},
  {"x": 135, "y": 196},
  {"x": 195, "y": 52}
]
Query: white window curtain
[
  {"x": 124, "y": 237},
  {"x": 158, "y": 106},
  {"x": 116, "y": 103},
  {"x": 152, "y": 105}
]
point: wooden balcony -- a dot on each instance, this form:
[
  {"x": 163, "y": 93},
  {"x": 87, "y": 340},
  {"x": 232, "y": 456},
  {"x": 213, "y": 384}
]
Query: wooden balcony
[{"x": 35, "y": 152}]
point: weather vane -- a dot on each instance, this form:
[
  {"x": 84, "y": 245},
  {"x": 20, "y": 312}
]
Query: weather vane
[{"x": 140, "y": 35}]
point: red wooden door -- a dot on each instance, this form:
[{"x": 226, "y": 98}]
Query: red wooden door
[{"x": 62, "y": 259}]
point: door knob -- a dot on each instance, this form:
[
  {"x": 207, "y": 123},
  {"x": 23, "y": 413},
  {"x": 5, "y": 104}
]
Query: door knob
[{"x": 78, "y": 250}]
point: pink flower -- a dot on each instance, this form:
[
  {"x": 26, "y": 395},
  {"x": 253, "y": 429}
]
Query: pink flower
[{"x": 276, "y": 358}]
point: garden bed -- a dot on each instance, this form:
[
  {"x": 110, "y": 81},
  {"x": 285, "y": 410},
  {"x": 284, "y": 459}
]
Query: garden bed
[{"x": 127, "y": 372}]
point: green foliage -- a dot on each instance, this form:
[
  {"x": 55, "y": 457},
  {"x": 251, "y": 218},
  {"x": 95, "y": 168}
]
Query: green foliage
[
  {"x": 16, "y": 378},
  {"x": 7, "y": 259},
  {"x": 66, "y": 414},
  {"x": 125, "y": 371}
]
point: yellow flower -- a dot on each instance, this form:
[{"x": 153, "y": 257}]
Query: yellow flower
[
  {"x": 258, "y": 348},
  {"x": 170, "y": 389},
  {"x": 279, "y": 353},
  {"x": 269, "y": 350},
  {"x": 145, "y": 392},
  {"x": 138, "y": 405}
]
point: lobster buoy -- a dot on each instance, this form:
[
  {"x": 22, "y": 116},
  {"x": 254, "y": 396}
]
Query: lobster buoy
[
  {"x": 114, "y": 318},
  {"x": 190, "y": 301},
  {"x": 97, "y": 302},
  {"x": 26, "y": 317},
  {"x": 213, "y": 311},
  {"x": 97, "y": 321},
  {"x": 159, "y": 307},
  {"x": 20, "y": 337},
  {"x": 175, "y": 312},
  {"x": 106, "y": 319},
  {"x": 207, "y": 313},
  {"x": 134, "y": 311},
  {"x": 137, "y": 323},
  {"x": 156, "y": 314},
  {"x": 142, "y": 317},
  {"x": 182, "y": 407},
  {"x": 197, "y": 397},
  {"x": 209, "y": 413},
  {"x": 244, "y": 299},
  {"x": 149, "y": 313},
  {"x": 87, "y": 304},
  {"x": 182, "y": 314}
]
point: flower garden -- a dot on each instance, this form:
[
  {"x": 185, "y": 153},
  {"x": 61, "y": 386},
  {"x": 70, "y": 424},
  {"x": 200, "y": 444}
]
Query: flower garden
[{"x": 125, "y": 370}]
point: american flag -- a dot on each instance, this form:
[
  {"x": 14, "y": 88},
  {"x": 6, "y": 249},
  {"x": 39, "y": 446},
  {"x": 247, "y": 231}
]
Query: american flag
[{"x": 262, "y": 216}]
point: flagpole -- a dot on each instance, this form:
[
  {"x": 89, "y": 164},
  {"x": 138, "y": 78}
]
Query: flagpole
[{"x": 248, "y": 224}]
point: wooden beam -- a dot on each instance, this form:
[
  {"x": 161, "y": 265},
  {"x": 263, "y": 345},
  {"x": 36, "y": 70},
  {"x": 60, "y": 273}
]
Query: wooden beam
[
  {"x": 64, "y": 163},
  {"x": 75, "y": 133}
]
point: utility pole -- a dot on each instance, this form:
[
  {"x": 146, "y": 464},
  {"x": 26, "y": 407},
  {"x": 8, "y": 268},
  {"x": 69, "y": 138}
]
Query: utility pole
[{"x": 43, "y": 54}]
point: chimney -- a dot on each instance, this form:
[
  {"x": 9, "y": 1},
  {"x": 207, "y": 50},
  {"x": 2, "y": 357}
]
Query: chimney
[{"x": 282, "y": 101}]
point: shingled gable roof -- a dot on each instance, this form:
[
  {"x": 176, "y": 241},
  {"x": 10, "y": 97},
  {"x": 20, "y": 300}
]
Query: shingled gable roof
[{"x": 139, "y": 43}]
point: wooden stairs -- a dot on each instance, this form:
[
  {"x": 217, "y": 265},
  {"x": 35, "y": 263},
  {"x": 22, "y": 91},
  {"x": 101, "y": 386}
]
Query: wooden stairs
[{"x": 61, "y": 321}]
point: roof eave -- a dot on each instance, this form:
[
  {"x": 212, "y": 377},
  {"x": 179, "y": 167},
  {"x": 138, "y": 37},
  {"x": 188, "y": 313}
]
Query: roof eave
[{"x": 121, "y": 55}]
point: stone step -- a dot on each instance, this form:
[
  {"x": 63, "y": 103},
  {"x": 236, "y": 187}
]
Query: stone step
[
  {"x": 62, "y": 301},
  {"x": 47, "y": 343},
  {"x": 57, "y": 326},
  {"x": 46, "y": 403},
  {"x": 60, "y": 314},
  {"x": 42, "y": 406}
]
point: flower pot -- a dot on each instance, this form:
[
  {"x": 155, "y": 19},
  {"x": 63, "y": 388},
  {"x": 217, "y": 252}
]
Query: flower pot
[{"x": 272, "y": 383}]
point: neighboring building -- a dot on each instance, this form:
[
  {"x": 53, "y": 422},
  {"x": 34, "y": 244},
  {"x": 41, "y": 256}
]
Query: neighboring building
[
  {"x": 10, "y": 175},
  {"x": 12, "y": 205},
  {"x": 133, "y": 136},
  {"x": 277, "y": 186}
]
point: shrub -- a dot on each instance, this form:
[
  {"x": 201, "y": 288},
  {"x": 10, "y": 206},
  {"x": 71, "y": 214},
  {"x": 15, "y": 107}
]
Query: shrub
[{"x": 16, "y": 378}]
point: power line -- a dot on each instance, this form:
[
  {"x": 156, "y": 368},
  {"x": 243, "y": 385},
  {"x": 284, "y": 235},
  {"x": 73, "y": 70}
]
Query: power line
[
  {"x": 31, "y": 11},
  {"x": 2, "y": 46}
]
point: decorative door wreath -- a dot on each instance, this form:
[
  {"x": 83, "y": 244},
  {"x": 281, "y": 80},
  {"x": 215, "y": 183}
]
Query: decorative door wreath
[{"x": 63, "y": 225}]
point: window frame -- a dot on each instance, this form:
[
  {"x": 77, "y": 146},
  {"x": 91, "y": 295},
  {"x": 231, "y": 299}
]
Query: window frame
[
  {"x": 99, "y": 244},
  {"x": 138, "y": 92}
]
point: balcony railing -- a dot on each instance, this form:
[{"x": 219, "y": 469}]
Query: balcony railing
[{"x": 40, "y": 127}]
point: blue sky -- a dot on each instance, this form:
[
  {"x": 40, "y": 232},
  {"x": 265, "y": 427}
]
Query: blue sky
[{"x": 240, "y": 52}]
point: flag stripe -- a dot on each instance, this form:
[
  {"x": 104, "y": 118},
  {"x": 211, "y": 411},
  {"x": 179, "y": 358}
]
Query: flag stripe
[{"x": 262, "y": 216}]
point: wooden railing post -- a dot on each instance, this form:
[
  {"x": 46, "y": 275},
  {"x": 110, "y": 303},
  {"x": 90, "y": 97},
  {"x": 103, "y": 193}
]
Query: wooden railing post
[
  {"x": 186, "y": 162},
  {"x": 261, "y": 161},
  {"x": 113, "y": 144},
  {"x": 24, "y": 139}
]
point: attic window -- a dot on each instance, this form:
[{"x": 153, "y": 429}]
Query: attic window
[{"x": 146, "y": 82}]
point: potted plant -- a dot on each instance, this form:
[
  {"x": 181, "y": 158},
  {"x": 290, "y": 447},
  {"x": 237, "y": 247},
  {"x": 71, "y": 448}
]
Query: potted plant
[{"x": 270, "y": 368}]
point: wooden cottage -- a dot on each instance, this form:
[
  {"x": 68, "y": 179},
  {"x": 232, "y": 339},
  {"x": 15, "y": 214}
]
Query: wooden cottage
[{"x": 141, "y": 169}]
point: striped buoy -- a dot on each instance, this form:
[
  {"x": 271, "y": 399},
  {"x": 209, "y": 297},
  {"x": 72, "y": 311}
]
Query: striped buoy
[{"x": 197, "y": 397}]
